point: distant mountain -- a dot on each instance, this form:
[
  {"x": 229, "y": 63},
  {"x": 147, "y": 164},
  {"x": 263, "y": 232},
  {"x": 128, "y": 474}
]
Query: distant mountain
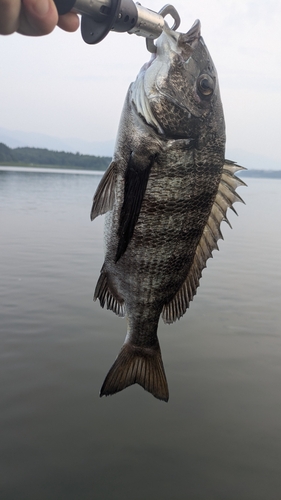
[
  {"x": 18, "y": 138},
  {"x": 40, "y": 156}
]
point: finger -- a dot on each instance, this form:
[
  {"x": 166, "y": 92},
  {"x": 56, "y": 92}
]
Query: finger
[
  {"x": 10, "y": 13},
  {"x": 38, "y": 17},
  {"x": 69, "y": 22}
]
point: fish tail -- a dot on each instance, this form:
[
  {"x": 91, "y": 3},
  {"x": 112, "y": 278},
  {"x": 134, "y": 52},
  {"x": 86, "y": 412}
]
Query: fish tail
[{"x": 137, "y": 365}]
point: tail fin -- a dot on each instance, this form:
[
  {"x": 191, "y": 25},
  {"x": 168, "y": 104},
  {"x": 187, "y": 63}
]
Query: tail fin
[{"x": 137, "y": 365}]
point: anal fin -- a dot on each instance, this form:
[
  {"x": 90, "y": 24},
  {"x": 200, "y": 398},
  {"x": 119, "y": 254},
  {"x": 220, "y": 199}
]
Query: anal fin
[{"x": 107, "y": 297}]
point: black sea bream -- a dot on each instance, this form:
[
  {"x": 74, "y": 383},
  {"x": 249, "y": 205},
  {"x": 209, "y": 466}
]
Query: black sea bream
[{"x": 165, "y": 193}]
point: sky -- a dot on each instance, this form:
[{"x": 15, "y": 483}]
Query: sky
[{"x": 59, "y": 86}]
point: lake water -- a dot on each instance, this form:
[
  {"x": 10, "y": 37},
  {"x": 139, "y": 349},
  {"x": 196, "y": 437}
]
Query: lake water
[{"x": 218, "y": 437}]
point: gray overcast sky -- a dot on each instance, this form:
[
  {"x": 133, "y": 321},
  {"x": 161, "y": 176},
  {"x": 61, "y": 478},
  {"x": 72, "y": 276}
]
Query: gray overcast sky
[{"x": 60, "y": 86}]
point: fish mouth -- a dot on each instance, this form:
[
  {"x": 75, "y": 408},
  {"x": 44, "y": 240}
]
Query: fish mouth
[
  {"x": 191, "y": 38},
  {"x": 193, "y": 35}
]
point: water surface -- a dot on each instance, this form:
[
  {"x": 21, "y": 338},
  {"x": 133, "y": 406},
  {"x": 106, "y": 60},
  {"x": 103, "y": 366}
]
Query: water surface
[{"x": 219, "y": 435}]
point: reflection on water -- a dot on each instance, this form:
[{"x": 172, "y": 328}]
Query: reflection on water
[{"x": 219, "y": 435}]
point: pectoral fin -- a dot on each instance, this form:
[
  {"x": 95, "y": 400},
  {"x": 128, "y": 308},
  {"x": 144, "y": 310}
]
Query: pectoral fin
[
  {"x": 136, "y": 177},
  {"x": 105, "y": 195}
]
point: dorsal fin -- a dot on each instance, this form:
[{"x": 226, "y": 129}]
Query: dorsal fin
[{"x": 225, "y": 198}]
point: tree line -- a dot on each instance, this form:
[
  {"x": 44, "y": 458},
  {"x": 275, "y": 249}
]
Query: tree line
[{"x": 46, "y": 157}]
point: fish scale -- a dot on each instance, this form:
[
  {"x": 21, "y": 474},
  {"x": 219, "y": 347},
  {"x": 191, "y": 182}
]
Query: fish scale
[{"x": 165, "y": 195}]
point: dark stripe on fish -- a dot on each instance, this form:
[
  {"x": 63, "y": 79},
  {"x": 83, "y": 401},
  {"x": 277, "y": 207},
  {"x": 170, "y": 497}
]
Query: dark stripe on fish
[{"x": 136, "y": 177}]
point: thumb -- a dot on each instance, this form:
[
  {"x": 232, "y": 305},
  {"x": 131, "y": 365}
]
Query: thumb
[{"x": 38, "y": 17}]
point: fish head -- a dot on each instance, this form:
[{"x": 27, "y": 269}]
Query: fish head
[{"x": 180, "y": 88}]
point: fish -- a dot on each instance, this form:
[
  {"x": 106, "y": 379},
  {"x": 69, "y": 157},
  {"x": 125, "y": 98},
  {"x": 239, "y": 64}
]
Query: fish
[{"x": 164, "y": 194}]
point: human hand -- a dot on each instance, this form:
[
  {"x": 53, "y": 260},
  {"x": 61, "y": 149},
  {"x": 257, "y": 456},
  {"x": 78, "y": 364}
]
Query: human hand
[{"x": 33, "y": 17}]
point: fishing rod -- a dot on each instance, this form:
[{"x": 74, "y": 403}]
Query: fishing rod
[{"x": 101, "y": 16}]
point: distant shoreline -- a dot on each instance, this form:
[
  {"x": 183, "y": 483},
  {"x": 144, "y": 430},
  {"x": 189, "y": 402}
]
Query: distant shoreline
[
  {"x": 270, "y": 174},
  {"x": 38, "y": 157},
  {"x": 40, "y": 165},
  {"x": 60, "y": 160}
]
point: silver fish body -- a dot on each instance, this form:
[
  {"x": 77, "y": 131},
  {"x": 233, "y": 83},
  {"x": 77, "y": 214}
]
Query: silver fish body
[{"x": 165, "y": 193}]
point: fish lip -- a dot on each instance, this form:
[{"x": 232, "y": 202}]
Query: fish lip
[
  {"x": 195, "y": 30},
  {"x": 194, "y": 34},
  {"x": 190, "y": 38}
]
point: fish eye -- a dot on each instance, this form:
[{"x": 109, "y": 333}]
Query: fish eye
[{"x": 206, "y": 85}]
